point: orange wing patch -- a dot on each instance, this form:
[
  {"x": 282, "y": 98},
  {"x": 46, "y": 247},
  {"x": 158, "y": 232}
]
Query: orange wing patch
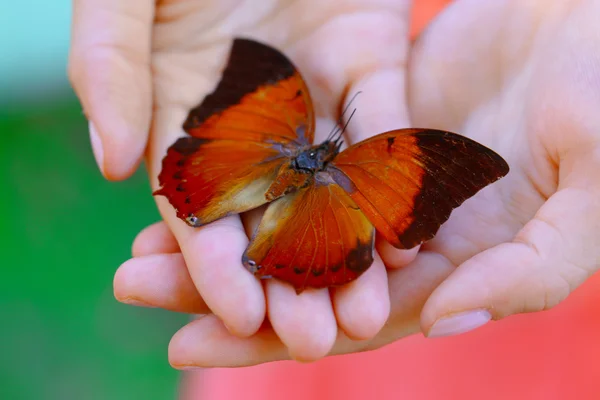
[
  {"x": 316, "y": 237},
  {"x": 408, "y": 181},
  {"x": 275, "y": 112},
  {"x": 261, "y": 97}
]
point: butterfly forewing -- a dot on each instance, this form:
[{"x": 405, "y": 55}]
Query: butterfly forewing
[
  {"x": 261, "y": 97},
  {"x": 408, "y": 181},
  {"x": 240, "y": 136}
]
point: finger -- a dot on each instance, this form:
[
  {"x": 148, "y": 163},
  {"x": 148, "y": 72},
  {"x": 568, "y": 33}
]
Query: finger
[
  {"x": 206, "y": 342},
  {"x": 394, "y": 257},
  {"x": 213, "y": 253},
  {"x": 553, "y": 254},
  {"x": 214, "y": 257},
  {"x": 381, "y": 107},
  {"x": 362, "y": 307},
  {"x": 381, "y": 45},
  {"x": 305, "y": 322},
  {"x": 109, "y": 67},
  {"x": 155, "y": 239},
  {"x": 159, "y": 280}
]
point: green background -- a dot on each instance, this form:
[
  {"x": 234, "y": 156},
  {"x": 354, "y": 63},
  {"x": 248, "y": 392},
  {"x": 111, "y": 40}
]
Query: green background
[{"x": 64, "y": 231}]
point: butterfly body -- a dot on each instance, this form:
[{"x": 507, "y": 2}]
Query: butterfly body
[
  {"x": 316, "y": 158},
  {"x": 250, "y": 143}
]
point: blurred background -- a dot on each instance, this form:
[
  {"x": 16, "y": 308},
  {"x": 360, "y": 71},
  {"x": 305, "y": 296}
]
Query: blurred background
[{"x": 64, "y": 230}]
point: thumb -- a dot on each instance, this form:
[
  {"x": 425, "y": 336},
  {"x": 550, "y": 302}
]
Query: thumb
[
  {"x": 109, "y": 68},
  {"x": 552, "y": 254}
]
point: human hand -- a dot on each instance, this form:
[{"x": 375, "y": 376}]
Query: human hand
[
  {"x": 131, "y": 71},
  {"x": 523, "y": 79}
]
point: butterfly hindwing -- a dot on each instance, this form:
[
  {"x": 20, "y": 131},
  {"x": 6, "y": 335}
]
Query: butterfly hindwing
[
  {"x": 206, "y": 180},
  {"x": 241, "y": 135},
  {"x": 315, "y": 237},
  {"x": 408, "y": 181}
]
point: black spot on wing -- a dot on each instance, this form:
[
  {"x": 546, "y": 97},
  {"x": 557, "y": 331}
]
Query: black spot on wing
[
  {"x": 390, "y": 141},
  {"x": 360, "y": 257}
]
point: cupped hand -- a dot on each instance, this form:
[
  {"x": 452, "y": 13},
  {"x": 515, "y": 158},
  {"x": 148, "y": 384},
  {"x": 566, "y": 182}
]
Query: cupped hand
[
  {"x": 524, "y": 79},
  {"x": 140, "y": 66}
]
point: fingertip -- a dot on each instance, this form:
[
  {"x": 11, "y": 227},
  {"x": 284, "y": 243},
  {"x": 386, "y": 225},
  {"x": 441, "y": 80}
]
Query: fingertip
[
  {"x": 156, "y": 238},
  {"x": 458, "y": 323},
  {"x": 304, "y": 322},
  {"x": 214, "y": 256},
  {"x": 206, "y": 342},
  {"x": 123, "y": 154},
  {"x": 363, "y": 306},
  {"x": 158, "y": 280},
  {"x": 185, "y": 349},
  {"x": 126, "y": 286},
  {"x": 121, "y": 282},
  {"x": 97, "y": 147},
  {"x": 109, "y": 68},
  {"x": 119, "y": 111},
  {"x": 393, "y": 257},
  {"x": 118, "y": 154},
  {"x": 458, "y": 293},
  {"x": 501, "y": 281}
]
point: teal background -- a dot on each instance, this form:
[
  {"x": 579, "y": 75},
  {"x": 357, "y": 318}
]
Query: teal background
[{"x": 64, "y": 231}]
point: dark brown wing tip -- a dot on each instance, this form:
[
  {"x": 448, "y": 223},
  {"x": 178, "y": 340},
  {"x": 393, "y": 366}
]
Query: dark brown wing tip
[
  {"x": 250, "y": 65},
  {"x": 501, "y": 165},
  {"x": 445, "y": 188}
]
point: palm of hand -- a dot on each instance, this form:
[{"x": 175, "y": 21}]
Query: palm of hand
[
  {"x": 525, "y": 85},
  {"x": 454, "y": 83},
  {"x": 191, "y": 42}
]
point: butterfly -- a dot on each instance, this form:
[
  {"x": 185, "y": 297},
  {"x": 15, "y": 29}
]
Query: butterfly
[{"x": 250, "y": 142}]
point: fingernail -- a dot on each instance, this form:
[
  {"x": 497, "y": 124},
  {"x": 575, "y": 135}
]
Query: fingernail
[
  {"x": 301, "y": 360},
  {"x": 459, "y": 323},
  {"x": 135, "y": 302},
  {"x": 97, "y": 146},
  {"x": 186, "y": 367}
]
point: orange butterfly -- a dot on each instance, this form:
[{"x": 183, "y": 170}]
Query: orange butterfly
[{"x": 250, "y": 143}]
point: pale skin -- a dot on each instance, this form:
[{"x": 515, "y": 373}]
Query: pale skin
[{"x": 522, "y": 77}]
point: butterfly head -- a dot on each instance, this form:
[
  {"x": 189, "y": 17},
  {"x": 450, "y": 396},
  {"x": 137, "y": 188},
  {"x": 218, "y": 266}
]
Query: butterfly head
[{"x": 316, "y": 158}]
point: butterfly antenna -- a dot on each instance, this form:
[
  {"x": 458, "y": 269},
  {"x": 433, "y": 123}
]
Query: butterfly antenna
[
  {"x": 348, "y": 106},
  {"x": 336, "y": 128},
  {"x": 338, "y": 140},
  {"x": 333, "y": 132}
]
